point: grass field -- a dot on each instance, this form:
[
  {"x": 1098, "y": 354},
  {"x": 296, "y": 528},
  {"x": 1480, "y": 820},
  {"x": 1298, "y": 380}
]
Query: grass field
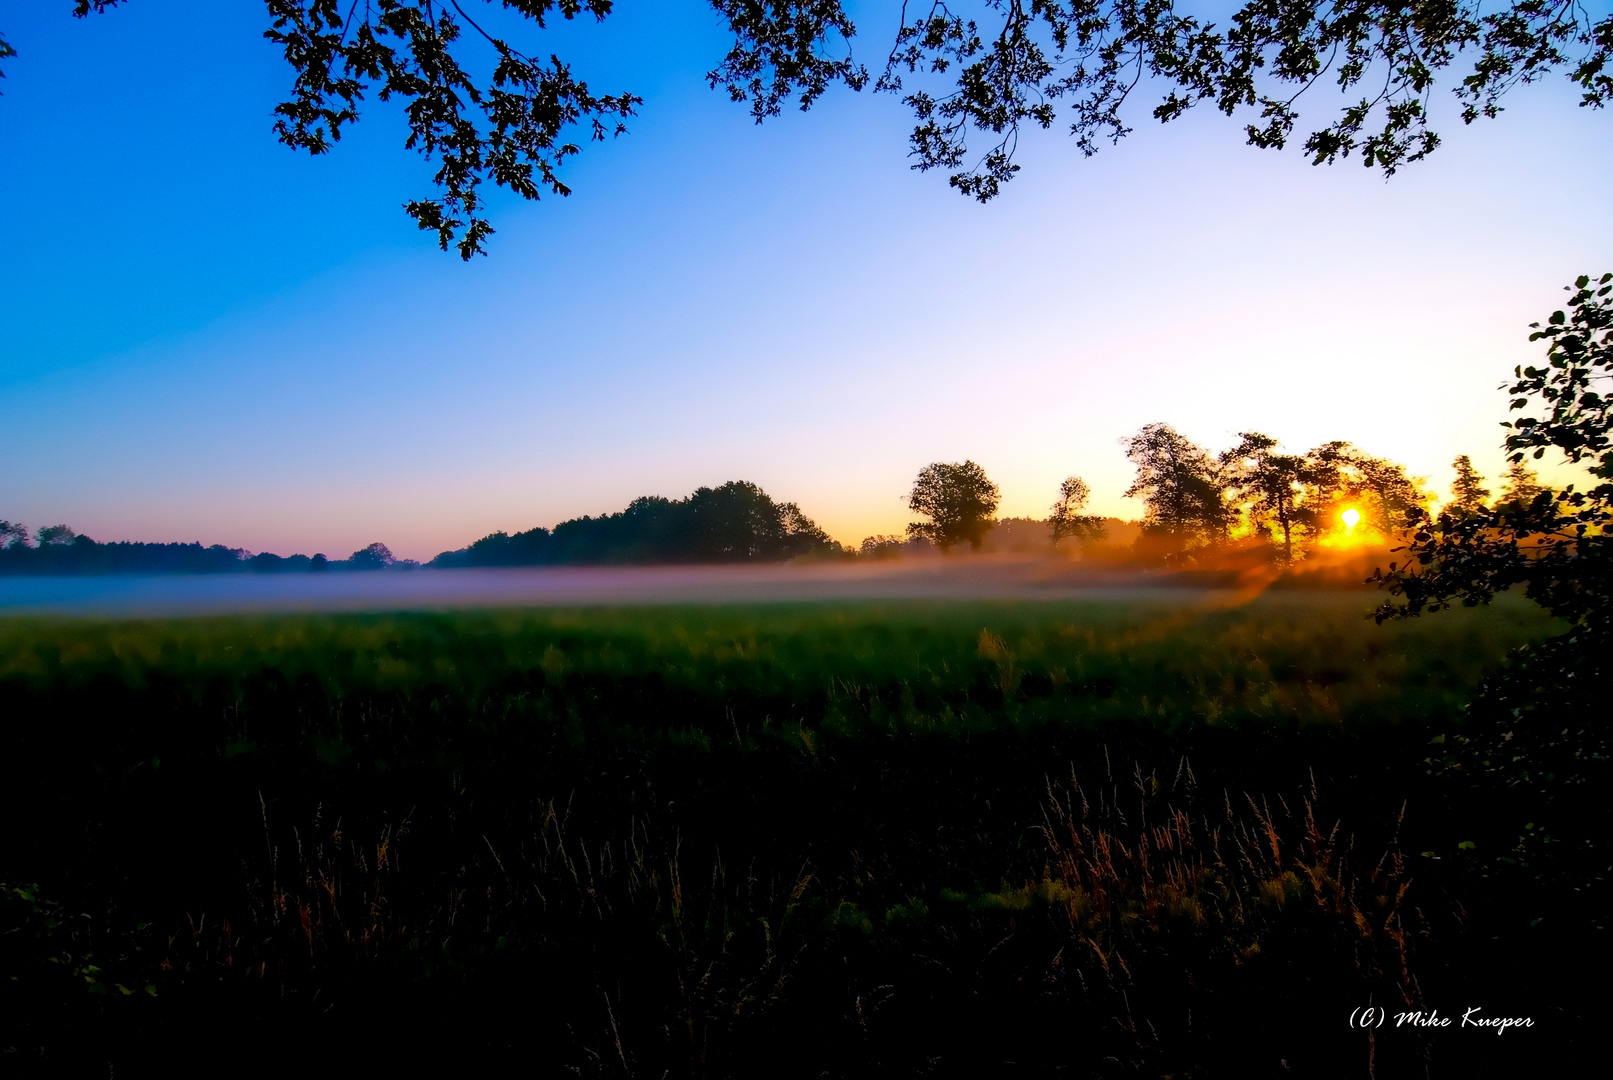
[{"x": 1161, "y": 834}]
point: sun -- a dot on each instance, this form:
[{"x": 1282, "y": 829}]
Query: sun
[{"x": 1351, "y": 518}]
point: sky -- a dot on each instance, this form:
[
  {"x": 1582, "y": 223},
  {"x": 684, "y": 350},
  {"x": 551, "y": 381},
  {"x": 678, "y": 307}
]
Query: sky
[{"x": 207, "y": 336}]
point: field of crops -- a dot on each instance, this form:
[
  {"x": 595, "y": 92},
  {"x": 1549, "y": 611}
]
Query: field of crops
[{"x": 1168, "y": 833}]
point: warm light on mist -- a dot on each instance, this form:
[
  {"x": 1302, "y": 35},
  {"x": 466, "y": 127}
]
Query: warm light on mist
[{"x": 1351, "y": 518}]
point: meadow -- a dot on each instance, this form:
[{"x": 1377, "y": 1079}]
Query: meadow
[{"x": 1165, "y": 832}]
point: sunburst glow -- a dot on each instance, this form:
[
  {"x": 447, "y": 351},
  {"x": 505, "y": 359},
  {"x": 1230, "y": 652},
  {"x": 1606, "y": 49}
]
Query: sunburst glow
[{"x": 1351, "y": 518}]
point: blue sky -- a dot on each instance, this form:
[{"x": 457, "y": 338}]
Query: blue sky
[{"x": 208, "y": 336}]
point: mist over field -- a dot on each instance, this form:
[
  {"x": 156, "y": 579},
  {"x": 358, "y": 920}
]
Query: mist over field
[
  {"x": 1003, "y": 577},
  {"x": 145, "y": 595}
]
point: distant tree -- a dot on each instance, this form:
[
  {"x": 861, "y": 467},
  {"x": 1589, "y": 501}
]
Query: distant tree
[
  {"x": 799, "y": 535},
  {"x": 881, "y": 547},
  {"x": 13, "y": 533},
  {"x": 62, "y": 551},
  {"x": 55, "y": 536},
  {"x": 1017, "y": 535},
  {"x": 1387, "y": 493},
  {"x": 1280, "y": 491},
  {"x": 1468, "y": 493},
  {"x": 959, "y": 500},
  {"x": 1523, "y": 484},
  {"x": 376, "y": 556},
  {"x": 1326, "y": 468},
  {"x": 1180, "y": 484},
  {"x": 514, "y": 118},
  {"x": 1066, "y": 519},
  {"x": 736, "y": 522}
]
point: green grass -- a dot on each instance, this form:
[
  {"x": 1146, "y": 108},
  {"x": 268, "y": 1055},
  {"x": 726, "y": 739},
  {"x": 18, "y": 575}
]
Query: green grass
[
  {"x": 1204, "y": 658},
  {"x": 808, "y": 839}
]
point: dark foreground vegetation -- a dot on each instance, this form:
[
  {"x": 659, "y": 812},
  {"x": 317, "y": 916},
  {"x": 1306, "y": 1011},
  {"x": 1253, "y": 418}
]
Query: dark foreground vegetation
[{"x": 1167, "y": 837}]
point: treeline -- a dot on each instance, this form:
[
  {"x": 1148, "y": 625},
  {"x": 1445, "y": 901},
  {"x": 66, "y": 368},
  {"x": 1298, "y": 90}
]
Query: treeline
[
  {"x": 1255, "y": 493},
  {"x": 736, "y": 522},
  {"x": 58, "y": 550},
  {"x": 1253, "y": 497}
]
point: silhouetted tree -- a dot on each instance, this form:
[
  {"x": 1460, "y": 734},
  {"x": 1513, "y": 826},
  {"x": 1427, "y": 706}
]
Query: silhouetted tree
[
  {"x": 1556, "y": 545},
  {"x": 881, "y": 547},
  {"x": 1523, "y": 484},
  {"x": 64, "y": 551},
  {"x": 1537, "y": 733},
  {"x": 514, "y": 124},
  {"x": 959, "y": 500},
  {"x": 1386, "y": 493},
  {"x": 1327, "y": 468},
  {"x": 799, "y": 535},
  {"x": 1280, "y": 491},
  {"x": 1468, "y": 493},
  {"x": 1181, "y": 486},
  {"x": 376, "y": 556},
  {"x": 736, "y": 522},
  {"x": 13, "y": 533},
  {"x": 1066, "y": 519}
]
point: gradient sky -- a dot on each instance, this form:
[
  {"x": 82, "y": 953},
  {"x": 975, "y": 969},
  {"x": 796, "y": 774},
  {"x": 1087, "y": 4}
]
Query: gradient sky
[{"x": 207, "y": 336}]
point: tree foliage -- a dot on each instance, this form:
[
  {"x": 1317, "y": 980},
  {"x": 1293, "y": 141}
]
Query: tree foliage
[
  {"x": 1066, "y": 520},
  {"x": 736, "y": 522},
  {"x": 1279, "y": 490},
  {"x": 1468, "y": 493},
  {"x": 13, "y": 533},
  {"x": 1537, "y": 732},
  {"x": 1555, "y": 546},
  {"x": 972, "y": 70},
  {"x": 1255, "y": 492},
  {"x": 960, "y": 501},
  {"x": 376, "y": 556},
  {"x": 1181, "y": 486},
  {"x": 1093, "y": 55},
  {"x": 1381, "y": 487},
  {"x": 1523, "y": 484}
]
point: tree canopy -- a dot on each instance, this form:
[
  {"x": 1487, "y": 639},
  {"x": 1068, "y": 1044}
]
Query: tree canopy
[
  {"x": 974, "y": 75},
  {"x": 1284, "y": 490},
  {"x": 1065, "y": 520},
  {"x": 1555, "y": 544},
  {"x": 1539, "y": 725},
  {"x": 1180, "y": 484},
  {"x": 1254, "y": 492},
  {"x": 1468, "y": 492},
  {"x": 1523, "y": 484},
  {"x": 960, "y": 501},
  {"x": 736, "y": 522}
]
